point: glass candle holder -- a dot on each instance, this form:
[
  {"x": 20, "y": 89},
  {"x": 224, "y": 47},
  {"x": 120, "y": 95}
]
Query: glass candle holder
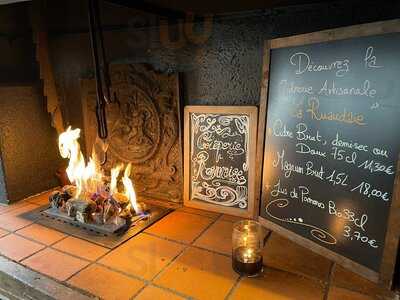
[{"x": 247, "y": 244}]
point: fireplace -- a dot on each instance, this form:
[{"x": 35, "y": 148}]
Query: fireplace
[
  {"x": 121, "y": 185},
  {"x": 94, "y": 205}
]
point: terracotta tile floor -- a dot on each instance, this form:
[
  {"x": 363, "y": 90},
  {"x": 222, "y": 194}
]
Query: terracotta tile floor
[
  {"x": 80, "y": 248},
  {"x": 106, "y": 283},
  {"x": 295, "y": 259},
  {"x": 346, "y": 279},
  {"x": 7, "y": 208},
  {"x": 143, "y": 256},
  {"x": 200, "y": 212},
  {"x": 180, "y": 226},
  {"x": 200, "y": 274},
  {"x": 184, "y": 256},
  {"x": 12, "y": 220},
  {"x": 41, "y": 234},
  {"x": 55, "y": 264},
  {"x": 217, "y": 238},
  {"x": 17, "y": 248},
  {"x": 151, "y": 292},
  {"x": 336, "y": 293},
  {"x": 278, "y": 285}
]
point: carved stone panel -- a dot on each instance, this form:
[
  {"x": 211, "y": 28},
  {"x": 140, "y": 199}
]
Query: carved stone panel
[{"x": 143, "y": 128}]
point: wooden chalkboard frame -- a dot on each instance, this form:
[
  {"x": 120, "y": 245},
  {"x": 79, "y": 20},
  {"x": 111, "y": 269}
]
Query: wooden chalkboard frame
[
  {"x": 385, "y": 276},
  {"x": 252, "y": 112}
]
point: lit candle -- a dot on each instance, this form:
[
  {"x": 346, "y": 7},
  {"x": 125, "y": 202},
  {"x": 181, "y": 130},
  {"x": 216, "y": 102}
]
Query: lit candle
[{"x": 247, "y": 245}]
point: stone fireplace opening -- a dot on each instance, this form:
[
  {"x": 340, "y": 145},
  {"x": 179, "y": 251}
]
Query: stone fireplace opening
[
  {"x": 121, "y": 185},
  {"x": 110, "y": 189}
]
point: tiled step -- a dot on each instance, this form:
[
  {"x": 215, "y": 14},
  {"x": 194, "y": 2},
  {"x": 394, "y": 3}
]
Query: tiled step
[{"x": 18, "y": 282}]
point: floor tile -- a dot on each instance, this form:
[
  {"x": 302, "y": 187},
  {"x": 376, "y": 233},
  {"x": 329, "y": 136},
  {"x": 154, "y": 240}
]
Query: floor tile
[
  {"x": 13, "y": 220},
  {"x": 217, "y": 238},
  {"x": 278, "y": 285},
  {"x": 200, "y": 212},
  {"x": 199, "y": 274},
  {"x": 151, "y": 292},
  {"x": 179, "y": 226},
  {"x": 343, "y": 294},
  {"x": 40, "y": 199},
  {"x": 344, "y": 278},
  {"x": 144, "y": 256},
  {"x": 7, "y": 208},
  {"x": 106, "y": 284},
  {"x": 280, "y": 253},
  {"x": 3, "y": 232},
  {"x": 230, "y": 218},
  {"x": 41, "y": 234},
  {"x": 55, "y": 264},
  {"x": 80, "y": 248},
  {"x": 18, "y": 248}
]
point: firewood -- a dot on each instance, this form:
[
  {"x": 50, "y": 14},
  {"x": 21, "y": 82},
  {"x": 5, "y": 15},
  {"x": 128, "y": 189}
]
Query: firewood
[
  {"x": 111, "y": 210},
  {"x": 81, "y": 206},
  {"x": 69, "y": 189},
  {"x": 82, "y": 217},
  {"x": 57, "y": 199},
  {"x": 121, "y": 198}
]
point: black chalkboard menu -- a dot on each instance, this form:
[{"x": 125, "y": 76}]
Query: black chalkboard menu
[
  {"x": 332, "y": 143},
  {"x": 220, "y": 158}
]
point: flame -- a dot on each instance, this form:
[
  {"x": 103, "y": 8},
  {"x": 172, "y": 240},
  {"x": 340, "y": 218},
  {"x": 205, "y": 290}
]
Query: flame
[
  {"x": 114, "y": 177},
  {"x": 87, "y": 178},
  {"x": 129, "y": 190}
]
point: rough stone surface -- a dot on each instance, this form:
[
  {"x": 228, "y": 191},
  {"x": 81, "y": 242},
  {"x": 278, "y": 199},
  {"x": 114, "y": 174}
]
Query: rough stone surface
[
  {"x": 224, "y": 70},
  {"x": 28, "y": 144}
]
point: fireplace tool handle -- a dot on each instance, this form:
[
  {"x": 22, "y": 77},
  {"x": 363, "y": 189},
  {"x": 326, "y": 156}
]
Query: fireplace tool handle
[
  {"x": 94, "y": 26},
  {"x": 103, "y": 64}
]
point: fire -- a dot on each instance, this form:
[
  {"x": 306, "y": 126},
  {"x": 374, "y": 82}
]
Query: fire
[
  {"x": 70, "y": 148},
  {"x": 114, "y": 178},
  {"x": 89, "y": 178},
  {"x": 129, "y": 190}
]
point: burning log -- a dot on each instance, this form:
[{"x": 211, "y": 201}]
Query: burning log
[
  {"x": 111, "y": 210},
  {"x": 58, "y": 199},
  {"x": 80, "y": 209},
  {"x": 123, "y": 200}
]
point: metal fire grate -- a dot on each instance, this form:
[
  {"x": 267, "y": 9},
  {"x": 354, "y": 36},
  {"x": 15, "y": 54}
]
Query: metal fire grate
[{"x": 103, "y": 236}]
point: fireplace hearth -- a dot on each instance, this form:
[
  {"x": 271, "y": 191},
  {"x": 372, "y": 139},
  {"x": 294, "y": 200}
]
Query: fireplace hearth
[
  {"x": 109, "y": 236},
  {"x": 95, "y": 204}
]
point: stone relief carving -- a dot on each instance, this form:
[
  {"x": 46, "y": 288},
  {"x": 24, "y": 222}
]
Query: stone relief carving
[{"x": 143, "y": 128}]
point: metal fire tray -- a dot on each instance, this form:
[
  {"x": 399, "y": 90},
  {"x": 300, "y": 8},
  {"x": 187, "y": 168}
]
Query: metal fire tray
[{"x": 109, "y": 236}]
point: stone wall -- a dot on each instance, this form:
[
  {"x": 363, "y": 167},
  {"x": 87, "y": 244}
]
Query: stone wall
[
  {"x": 225, "y": 69},
  {"x": 28, "y": 144}
]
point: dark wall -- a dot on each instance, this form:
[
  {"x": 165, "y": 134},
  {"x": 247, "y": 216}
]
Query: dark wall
[
  {"x": 224, "y": 70},
  {"x": 17, "y": 51},
  {"x": 28, "y": 144}
]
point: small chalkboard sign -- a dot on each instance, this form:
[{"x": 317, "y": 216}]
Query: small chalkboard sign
[
  {"x": 220, "y": 158},
  {"x": 332, "y": 143}
]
